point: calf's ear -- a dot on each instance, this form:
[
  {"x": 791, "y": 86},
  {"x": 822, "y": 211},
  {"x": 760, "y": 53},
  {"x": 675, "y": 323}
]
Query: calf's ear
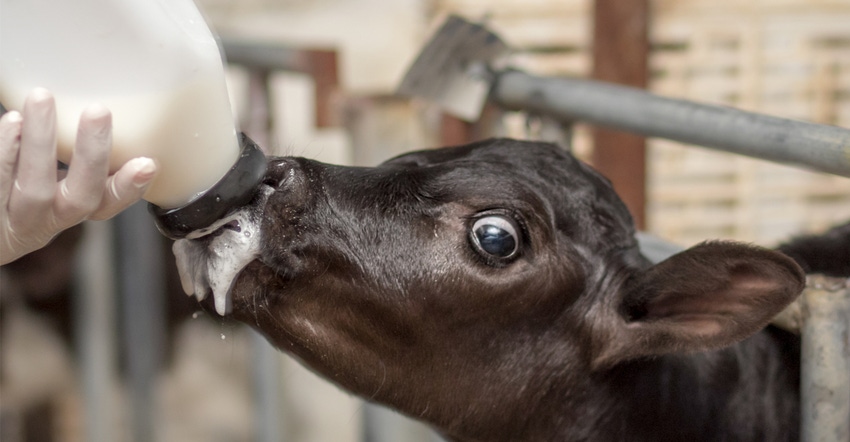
[{"x": 709, "y": 296}]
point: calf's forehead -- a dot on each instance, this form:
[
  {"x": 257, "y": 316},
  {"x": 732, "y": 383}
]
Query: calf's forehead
[
  {"x": 522, "y": 154},
  {"x": 497, "y": 167},
  {"x": 576, "y": 195}
]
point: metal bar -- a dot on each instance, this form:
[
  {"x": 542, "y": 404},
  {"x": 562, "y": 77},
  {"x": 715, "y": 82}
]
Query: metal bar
[
  {"x": 94, "y": 314},
  {"x": 266, "y": 360},
  {"x": 141, "y": 282},
  {"x": 371, "y": 430},
  {"x": 267, "y": 390},
  {"x": 656, "y": 249},
  {"x": 380, "y": 424},
  {"x": 819, "y": 147},
  {"x": 264, "y": 56},
  {"x": 825, "y": 370}
]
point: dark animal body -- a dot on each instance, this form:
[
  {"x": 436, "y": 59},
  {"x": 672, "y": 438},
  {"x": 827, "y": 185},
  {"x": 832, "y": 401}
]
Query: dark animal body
[{"x": 496, "y": 291}]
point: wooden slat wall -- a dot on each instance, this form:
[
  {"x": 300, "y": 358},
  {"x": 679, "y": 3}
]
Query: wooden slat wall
[{"x": 789, "y": 58}]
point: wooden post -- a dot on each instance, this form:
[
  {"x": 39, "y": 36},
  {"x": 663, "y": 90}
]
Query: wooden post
[
  {"x": 324, "y": 70},
  {"x": 454, "y": 131},
  {"x": 620, "y": 55}
]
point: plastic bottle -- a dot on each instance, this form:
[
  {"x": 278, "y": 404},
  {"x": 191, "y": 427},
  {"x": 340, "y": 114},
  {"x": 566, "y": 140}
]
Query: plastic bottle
[{"x": 154, "y": 63}]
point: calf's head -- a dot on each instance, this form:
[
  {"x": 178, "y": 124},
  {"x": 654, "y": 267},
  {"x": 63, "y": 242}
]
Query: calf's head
[{"x": 469, "y": 285}]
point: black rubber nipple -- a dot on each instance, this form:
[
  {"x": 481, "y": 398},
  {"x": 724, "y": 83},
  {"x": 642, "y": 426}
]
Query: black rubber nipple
[{"x": 235, "y": 189}]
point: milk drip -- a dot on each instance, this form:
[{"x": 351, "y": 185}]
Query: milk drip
[{"x": 157, "y": 66}]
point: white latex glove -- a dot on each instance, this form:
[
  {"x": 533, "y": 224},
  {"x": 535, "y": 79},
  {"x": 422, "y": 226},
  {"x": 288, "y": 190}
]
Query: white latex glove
[{"x": 34, "y": 204}]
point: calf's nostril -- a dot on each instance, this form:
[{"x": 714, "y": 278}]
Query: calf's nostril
[
  {"x": 233, "y": 225},
  {"x": 272, "y": 182},
  {"x": 279, "y": 173}
]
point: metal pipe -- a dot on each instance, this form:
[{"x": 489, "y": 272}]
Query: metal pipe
[
  {"x": 267, "y": 366},
  {"x": 141, "y": 282},
  {"x": 825, "y": 370},
  {"x": 656, "y": 249},
  {"x": 380, "y": 424},
  {"x": 264, "y": 56},
  {"x": 94, "y": 314},
  {"x": 815, "y": 146},
  {"x": 268, "y": 420}
]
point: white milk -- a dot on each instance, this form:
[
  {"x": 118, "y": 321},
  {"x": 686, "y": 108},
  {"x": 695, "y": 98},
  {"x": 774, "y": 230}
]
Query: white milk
[
  {"x": 153, "y": 63},
  {"x": 212, "y": 267}
]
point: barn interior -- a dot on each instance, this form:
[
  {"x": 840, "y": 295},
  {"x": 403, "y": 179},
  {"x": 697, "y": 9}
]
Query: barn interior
[{"x": 98, "y": 342}]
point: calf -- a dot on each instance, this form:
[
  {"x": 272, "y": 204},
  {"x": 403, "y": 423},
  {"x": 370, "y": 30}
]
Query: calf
[{"x": 496, "y": 291}]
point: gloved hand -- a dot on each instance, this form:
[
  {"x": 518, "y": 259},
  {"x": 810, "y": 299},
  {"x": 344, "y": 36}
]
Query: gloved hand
[{"x": 34, "y": 204}]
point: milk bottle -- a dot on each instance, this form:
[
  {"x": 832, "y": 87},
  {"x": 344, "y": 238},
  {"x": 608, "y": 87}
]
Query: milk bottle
[{"x": 154, "y": 63}]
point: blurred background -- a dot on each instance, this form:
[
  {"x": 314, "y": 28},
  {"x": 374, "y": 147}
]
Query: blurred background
[{"x": 85, "y": 357}]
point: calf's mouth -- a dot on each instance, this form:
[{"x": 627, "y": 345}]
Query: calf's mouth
[{"x": 209, "y": 259}]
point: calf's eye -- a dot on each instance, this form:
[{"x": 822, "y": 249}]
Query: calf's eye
[{"x": 495, "y": 237}]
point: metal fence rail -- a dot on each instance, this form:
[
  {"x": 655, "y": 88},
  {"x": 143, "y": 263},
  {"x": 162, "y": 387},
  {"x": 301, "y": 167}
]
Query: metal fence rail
[
  {"x": 815, "y": 146},
  {"x": 825, "y": 372}
]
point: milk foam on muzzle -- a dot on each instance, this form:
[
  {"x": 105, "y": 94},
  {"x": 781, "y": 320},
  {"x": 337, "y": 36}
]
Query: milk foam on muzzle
[{"x": 209, "y": 259}]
